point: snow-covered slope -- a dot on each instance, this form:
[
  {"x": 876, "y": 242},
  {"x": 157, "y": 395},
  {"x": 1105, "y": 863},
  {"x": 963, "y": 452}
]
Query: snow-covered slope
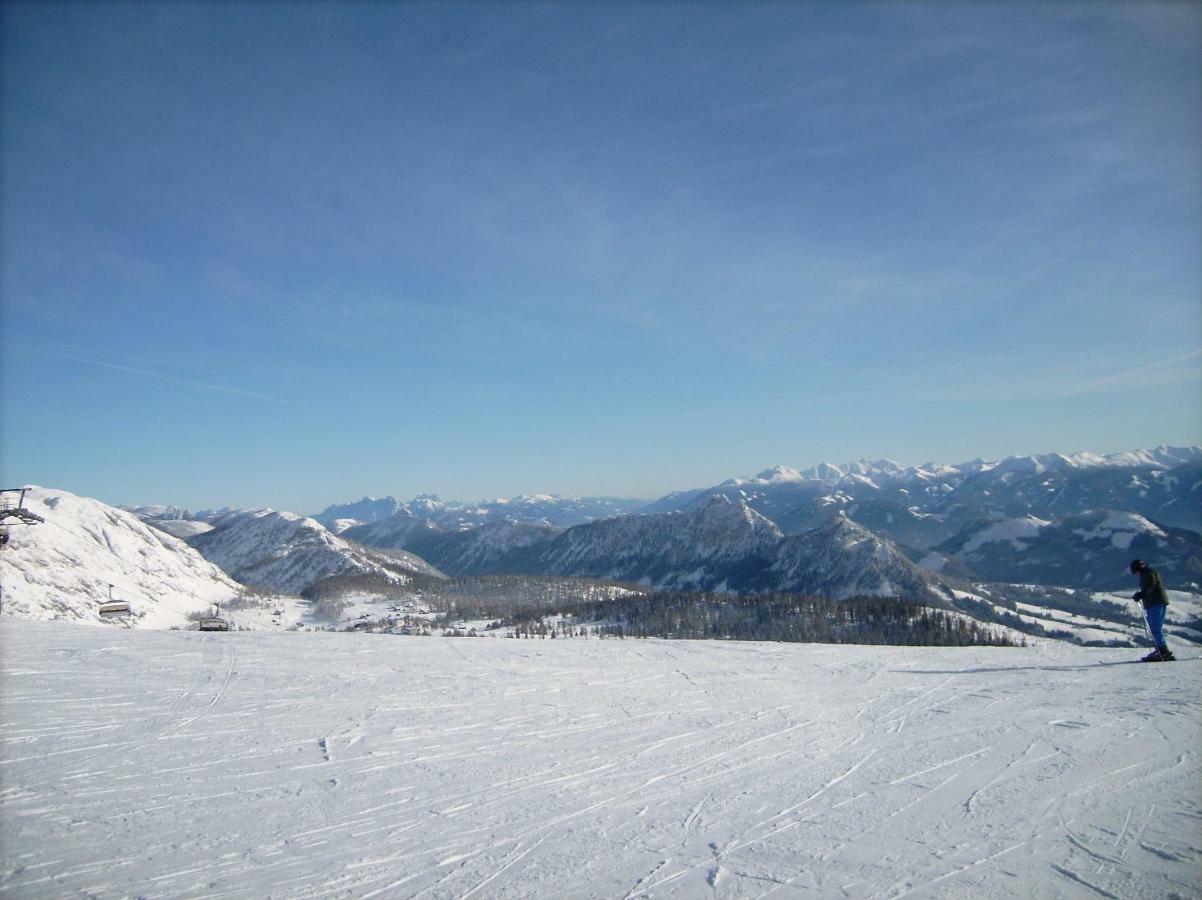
[
  {"x": 493, "y": 546},
  {"x": 396, "y": 531},
  {"x": 65, "y": 567},
  {"x": 181, "y": 528},
  {"x": 276, "y": 765},
  {"x": 286, "y": 552},
  {"x": 1080, "y": 616}
]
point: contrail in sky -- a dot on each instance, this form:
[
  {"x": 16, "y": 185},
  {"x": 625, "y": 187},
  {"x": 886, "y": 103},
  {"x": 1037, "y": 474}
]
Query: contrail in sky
[
  {"x": 158, "y": 376},
  {"x": 1127, "y": 374}
]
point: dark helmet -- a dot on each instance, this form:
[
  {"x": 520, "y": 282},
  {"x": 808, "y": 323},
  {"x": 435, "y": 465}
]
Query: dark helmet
[{"x": 1136, "y": 565}]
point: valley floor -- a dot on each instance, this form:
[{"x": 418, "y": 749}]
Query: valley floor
[{"x": 180, "y": 764}]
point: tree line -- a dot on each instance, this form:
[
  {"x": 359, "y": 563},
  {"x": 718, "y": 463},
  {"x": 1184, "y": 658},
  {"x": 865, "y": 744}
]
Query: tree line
[{"x": 767, "y": 617}]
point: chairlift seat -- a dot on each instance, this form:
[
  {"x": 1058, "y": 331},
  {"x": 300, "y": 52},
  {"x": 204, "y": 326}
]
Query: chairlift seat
[
  {"x": 115, "y": 608},
  {"x": 214, "y": 624}
]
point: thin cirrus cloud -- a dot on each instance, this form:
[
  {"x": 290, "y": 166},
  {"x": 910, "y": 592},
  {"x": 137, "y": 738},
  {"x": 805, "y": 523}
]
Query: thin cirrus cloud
[
  {"x": 1037, "y": 373},
  {"x": 158, "y": 376},
  {"x": 1159, "y": 372}
]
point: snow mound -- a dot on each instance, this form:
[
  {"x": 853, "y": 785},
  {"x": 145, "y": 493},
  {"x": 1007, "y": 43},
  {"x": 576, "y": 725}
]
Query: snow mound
[
  {"x": 1121, "y": 528},
  {"x": 1016, "y": 531}
]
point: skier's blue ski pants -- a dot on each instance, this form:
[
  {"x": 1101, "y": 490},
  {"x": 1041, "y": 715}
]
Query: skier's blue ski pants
[{"x": 1156, "y": 622}]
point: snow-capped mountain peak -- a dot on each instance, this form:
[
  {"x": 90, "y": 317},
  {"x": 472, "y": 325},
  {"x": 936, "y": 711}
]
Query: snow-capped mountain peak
[
  {"x": 779, "y": 475},
  {"x": 426, "y": 505},
  {"x": 825, "y": 472},
  {"x": 367, "y": 509}
]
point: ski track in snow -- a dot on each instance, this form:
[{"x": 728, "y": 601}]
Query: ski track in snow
[{"x": 179, "y": 764}]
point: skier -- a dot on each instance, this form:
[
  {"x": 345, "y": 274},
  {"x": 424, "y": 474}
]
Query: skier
[{"x": 1156, "y": 602}]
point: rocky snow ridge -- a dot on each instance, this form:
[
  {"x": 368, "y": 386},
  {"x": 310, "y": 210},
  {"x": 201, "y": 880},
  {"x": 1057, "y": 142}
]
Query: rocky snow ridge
[
  {"x": 724, "y": 545},
  {"x": 842, "y": 559},
  {"x": 286, "y": 552}
]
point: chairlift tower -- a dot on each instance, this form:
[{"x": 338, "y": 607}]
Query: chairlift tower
[{"x": 12, "y": 507}]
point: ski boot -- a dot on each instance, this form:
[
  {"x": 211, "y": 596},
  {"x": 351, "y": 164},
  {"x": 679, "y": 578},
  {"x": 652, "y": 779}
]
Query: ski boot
[
  {"x": 1154, "y": 656},
  {"x": 1166, "y": 655}
]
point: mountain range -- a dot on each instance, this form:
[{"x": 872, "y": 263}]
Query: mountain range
[
  {"x": 923, "y": 506},
  {"x": 538, "y": 509},
  {"x": 1085, "y": 516},
  {"x": 872, "y": 527},
  {"x": 1005, "y": 546}
]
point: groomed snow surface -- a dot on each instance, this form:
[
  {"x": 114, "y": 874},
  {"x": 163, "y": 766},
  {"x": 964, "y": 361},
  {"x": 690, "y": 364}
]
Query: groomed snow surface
[{"x": 255, "y": 764}]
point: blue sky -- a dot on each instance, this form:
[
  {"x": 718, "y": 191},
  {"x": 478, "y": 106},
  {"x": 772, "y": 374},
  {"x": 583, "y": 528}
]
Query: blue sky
[{"x": 286, "y": 255}]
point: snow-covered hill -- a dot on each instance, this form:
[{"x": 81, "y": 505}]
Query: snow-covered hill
[
  {"x": 254, "y": 765},
  {"x": 842, "y": 559},
  {"x": 286, "y": 552},
  {"x": 396, "y": 531},
  {"x": 1082, "y": 617},
  {"x": 177, "y": 521},
  {"x": 492, "y": 547},
  {"x": 1092, "y": 549},
  {"x": 85, "y": 550}
]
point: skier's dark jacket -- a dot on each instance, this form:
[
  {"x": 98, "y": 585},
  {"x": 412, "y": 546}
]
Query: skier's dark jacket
[{"x": 1151, "y": 590}]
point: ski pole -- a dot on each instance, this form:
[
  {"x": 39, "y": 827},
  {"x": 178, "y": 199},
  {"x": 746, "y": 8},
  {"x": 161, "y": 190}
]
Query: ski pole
[{"x": 1143, "y": 617}]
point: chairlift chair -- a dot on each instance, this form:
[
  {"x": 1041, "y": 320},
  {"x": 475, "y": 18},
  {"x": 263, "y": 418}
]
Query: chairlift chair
[
  {"x": 114, "y": 608},
  {"x": 214, "y": 622}
]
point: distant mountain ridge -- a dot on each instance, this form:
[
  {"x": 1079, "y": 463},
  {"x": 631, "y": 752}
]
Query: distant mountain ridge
[
  {"x": 720, "y": 545},
  {"x": 923, "y": 506},
  {"x": 537, "y": 509},
  {"x": 921, "y": 511},
  {"x": 915, "y": 524}
]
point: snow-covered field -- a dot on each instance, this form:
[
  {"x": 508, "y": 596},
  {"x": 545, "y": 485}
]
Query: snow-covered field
[{"x": 268, "y": 764}]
